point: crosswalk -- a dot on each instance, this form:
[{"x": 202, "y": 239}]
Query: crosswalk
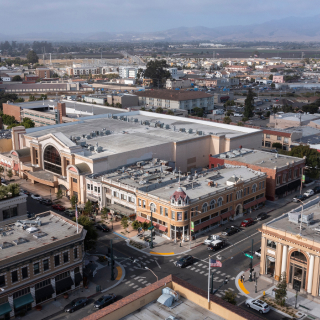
[
  {"x": 143, "y": 261},
  {"x": 136, "y": 282}
]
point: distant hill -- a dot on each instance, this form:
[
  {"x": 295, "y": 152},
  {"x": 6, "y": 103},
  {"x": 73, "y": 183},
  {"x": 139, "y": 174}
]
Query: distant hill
[{"x": 287, "y": 29}]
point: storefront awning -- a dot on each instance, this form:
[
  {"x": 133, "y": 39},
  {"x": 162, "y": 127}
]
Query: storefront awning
[
  {"x": 121, "y": 210},
  {"x": 64, "y": 284},
  {"x": 250, "y": 204},
  {"x": 44, "y": 292},
  {"x": 22, "y": 301},
  {"x": 156, "y": 225},
  {"x": 16, "y": 167},
  {"x": 5, "y": 308},
  {"x": 163, "y": 228}
]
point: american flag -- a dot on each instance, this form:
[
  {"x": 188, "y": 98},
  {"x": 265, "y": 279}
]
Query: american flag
[{"x": 215, "y": 263}]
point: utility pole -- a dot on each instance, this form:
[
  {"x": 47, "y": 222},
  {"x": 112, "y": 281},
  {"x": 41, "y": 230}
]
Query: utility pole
[
  {"x": 251, "y": 268},
  {"x": 112, "y": 261}
]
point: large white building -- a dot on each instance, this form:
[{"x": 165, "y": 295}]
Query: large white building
[{"x": 129, "y": 72}]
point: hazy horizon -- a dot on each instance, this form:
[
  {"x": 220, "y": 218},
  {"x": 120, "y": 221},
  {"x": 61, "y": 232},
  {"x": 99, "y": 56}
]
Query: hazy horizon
[{"x": 141, "y": 16}]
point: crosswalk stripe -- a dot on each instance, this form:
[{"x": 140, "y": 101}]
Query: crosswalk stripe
[
  {"x": 188, "y": 267},
  {"x": 135, "y": 286},
  {"x": 192, "y": 268},
  {"x": 133, "y": 276},
  {"x": 127, "y": 282},
  {"x": 206, "y": 274},
  {"x": 199, "y": 265},
  {"x": 171, "y": 260},
  {"x": 144, "y": 281},
  {"x": 197, "y": 270},
  {"x": 201, "y": 272}
]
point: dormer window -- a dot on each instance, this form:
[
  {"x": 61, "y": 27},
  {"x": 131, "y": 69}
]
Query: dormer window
[{"x": 179, "y": 202}]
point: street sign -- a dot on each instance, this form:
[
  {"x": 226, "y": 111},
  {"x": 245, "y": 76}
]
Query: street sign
[
  {"x": 248, "y": 255},
  {"x": 192, "y": 226},
  {"x": 150, "y": 228},
  {"x": 303, "y": 178}
]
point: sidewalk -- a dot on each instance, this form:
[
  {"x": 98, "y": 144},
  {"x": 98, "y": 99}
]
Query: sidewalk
[
  {"x": 304, "y": 305},
  {"x": 101, "y": 278}
]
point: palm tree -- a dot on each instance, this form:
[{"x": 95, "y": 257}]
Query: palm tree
[{"x": 274, "y": 110}]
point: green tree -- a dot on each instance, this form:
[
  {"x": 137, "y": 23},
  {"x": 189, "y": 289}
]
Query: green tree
[
  {"x": 92, "y": 234},
  {"x": 277, "y": 145},
  {"x": 124, "y": 223},
  {"x": 59, "y": 194},
  {"x": 274, "y": 110},
  {"x": 273, "y": 85},
  {"x": 145, "y": 225},
  {"x": 249, "y": 104},
  {"x": 312, "y": 158},
  {"x": 271, "y": 77},
  {"x": 170, "y": 112},
  {"x": 268, "y": 114},
  {"x": 55, "y": 75},
  {"x": 227, "y": 120},
  {"x": 32, "y": 57},
  {"x": 87, "y": 208},
  {"x": 136, "y": 225},
  {"x": 311, "y": 108},
  {"x": 240, "y": 124},
  {"x": 281, "y": 290},
  {"x": 156, "y": 70},
  {"x": 1, "y": 172},
  {"x": 159, "y": 110},
  {"x": 229, "y": 103},
  {"x": 32, "y": 98},
  {"x": 230, "y": 297},
  {"x": 274, "y": 70},
  {"x": 73, "y": 201},
  {"x": 198, "y": 112},
  {"x": 17, "y": 78},
  {"x": 14, "y": 189},
  {"x": 229, "y": 113},
  {"x": 28, "y": 123},
  {"x": 9, "y": 174}
]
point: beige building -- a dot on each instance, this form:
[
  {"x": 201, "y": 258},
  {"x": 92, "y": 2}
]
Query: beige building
[
  {"x": 62, "y": 155},
  {"x": 288, "y": 120},
  {"x": 287, "y": 248},
  {"x": 41, "y": 259}
]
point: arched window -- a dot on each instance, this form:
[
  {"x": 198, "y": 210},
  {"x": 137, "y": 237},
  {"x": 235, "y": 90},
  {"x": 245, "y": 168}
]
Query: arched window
[
  {"x": 239, "y": 194},
  {"x": 153, "y": 207},
  {"x": 220, "y": 200},
  {"x": 212, "y": 204},
  {"x": 204, "y": 207},
  {"x": 296, "y": 255},
  {"x": 254, "y": 188},
  {"x": 52, "y": 160}
]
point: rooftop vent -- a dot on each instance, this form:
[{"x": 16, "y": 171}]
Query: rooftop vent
[
  {"x": 32, "y": 229},
  {"x": 199, "y": 133},
  {"x": 182, "y": 130},
  {"x": 20, "y": 241},
  {"x": 39, "y": 234},
  {"x": 5, "y": 245},
  {"x": 190, "y": 131}
]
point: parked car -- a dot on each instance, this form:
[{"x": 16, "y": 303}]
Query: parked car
[
  {"x": 262, "y": 216},
  {"x": 216, "y": 245},
  {"x": 309, "y": 193},
  {"x": 102, "y": 227},
  {"x": 299, "y": 197},
  {"x": 58, "y": 207},
  {"x": 236, "y": 114},
  {"x": 316, "y": 189},
  {"x": 70, "y": 213},
  {"x": 185, "y": 261},
  {"x": 46, "y": 202},
  {"x": 36, "y": 197},
  {"x": 230, "y": 231},
  {"x": 258, "y": 305},
  {"x": 246, "y": 223},
  {"x": 104, "y": 301},
  {"x": 258, "y": 253},
  {"x": 75, "y": 304}
]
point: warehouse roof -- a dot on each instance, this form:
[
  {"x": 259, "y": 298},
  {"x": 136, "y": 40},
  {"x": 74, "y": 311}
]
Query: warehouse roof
[{"x": 177, "y": 95}]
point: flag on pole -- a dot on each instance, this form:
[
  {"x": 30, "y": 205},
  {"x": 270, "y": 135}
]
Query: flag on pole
[
  {"x": 77, "y": 218},
  {"x": 215, "y": 263}
]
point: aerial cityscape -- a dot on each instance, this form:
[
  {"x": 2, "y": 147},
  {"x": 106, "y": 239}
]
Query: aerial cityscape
[{"x": 160, "y": 160}]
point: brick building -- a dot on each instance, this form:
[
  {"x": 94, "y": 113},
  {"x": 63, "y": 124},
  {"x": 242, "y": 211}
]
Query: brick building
[
  {"x": 34, "y": 271},
  {"x": 283, "y": 172},
  {"x": 43, "y": 73}
]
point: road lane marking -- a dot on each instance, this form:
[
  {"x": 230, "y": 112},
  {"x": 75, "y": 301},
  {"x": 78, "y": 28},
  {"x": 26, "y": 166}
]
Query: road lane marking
[
  {"x": 162, "y": 254},
  {"x": 119, "y": 273},
  {"x": 242, "y": 287}
]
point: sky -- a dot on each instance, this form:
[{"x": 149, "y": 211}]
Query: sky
[{"x": 83, "y": 16}]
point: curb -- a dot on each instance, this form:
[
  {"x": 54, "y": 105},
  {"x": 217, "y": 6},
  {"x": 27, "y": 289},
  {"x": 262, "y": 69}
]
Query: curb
[
  {"x": 156, "y": 254},
  {"x": 120, "y": 235},
  {"x": 119, "y": 281},
  {"x": 248, "y": 296}
]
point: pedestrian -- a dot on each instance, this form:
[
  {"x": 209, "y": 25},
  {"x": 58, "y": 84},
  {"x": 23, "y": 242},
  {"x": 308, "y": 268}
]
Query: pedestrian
[{"x": 242, "y": 278}]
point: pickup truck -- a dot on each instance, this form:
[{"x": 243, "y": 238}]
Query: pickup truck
[
  {"x": 216, "y": 245},
  {"x": 211, "y": 238}
]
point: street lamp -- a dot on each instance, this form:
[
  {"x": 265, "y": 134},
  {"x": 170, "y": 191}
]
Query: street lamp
[
  {"x": 152, "y": 272},
  {"x": 192, "y": 211}
]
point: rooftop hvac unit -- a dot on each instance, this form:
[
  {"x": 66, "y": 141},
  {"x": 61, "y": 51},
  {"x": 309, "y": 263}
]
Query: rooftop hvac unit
[
  {"x": 135, "y": 120},
  {"x": 236, "y": 152},
  {"x": 101, "y": 133},
  {"x": 199, "y": 133},
  {"x": 190, "y": 131},
  {"x": 99, "y": 149},
  {"x": 83, "y": 136},
  {"x": 146, "y": 122},
  {"x": 121, "y": 117},
  {"x": 82, "y": 143},
  {"x": 88, "y": 136},
  {"x": 294, "y": 217},
  {"x": 153, "y": 124},
  {"x": 167, "y": 126},
  {"x": 115, "y": 117},
  {"x": 108, "y": 132},
  {"x": 97, "y": 133},
  {"x": 93, "y": 134},
  {"x": 90, "y": 148},
  {"x": 307, "y": 218},
  {"x": 223, "y": 156},
  {"x": 182, "y": 130}
]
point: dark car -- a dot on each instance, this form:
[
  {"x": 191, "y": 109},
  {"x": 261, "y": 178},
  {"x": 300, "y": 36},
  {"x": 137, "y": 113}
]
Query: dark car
[
  {"x": 316, "y": 189},
  {"x": 58, "y": 207},
  {"x": 104, "y": 301},
  {"x": 248, "y": 222},
  {"x": 262, "y": 216},
  {"x": 75, "y": 304},
  {"x": 102, "y": 227},
  {"x": 216, "y": 245},
  {"x": 299, "y": 197},
  {"x": 185, "y": 261},
  {"x": 230, "y": 231},
  {"x": 46, "y": 202}
]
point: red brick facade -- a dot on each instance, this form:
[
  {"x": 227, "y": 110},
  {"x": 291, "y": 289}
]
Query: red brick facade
[{"x": 12, "y": 110}]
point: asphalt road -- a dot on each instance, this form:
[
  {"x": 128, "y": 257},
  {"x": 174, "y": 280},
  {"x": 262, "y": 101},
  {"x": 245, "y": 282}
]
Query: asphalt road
[{"x": 232, "y": 258}]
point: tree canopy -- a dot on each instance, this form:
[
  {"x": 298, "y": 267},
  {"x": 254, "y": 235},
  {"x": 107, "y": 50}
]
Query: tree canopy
[
  {"x": 92, "y": 234},
  {"x": 156, "y": 71},
  {"x": 249, "y": 105},
  {"x": 4, "y": 97},
  {"x": 17, "y": 78},
  {"x": 32, "y": 57}
]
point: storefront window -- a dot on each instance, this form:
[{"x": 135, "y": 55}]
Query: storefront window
[
  {"x": 270, "y": 265},
  {"x": 52, "y": 160},
  {"x": 271, "y": 244}
]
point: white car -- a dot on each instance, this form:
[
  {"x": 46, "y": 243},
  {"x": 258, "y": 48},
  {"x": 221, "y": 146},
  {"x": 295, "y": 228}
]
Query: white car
[
  {"x": 211, "y": 238},
  {"x": 258, "y": 305},
  {"x": 258, "y": 253},
  {"x": 309, "y": 193},
  {"x": 36, "y": 197},
  {"x": 238, "y": 114}
]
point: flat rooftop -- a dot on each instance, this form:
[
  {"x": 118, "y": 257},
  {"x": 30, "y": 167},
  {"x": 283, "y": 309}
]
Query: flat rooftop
[
  {"x": 136, "y": 130},
  {"x": 296, "y": 117},
  {"x": 258, "y": 157},
  {"x": 186, "y": 310},
  {"x": 178, "y": 95},
  {"x": 16, "y": 240},
  {"x": 308, "y": 231}
]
